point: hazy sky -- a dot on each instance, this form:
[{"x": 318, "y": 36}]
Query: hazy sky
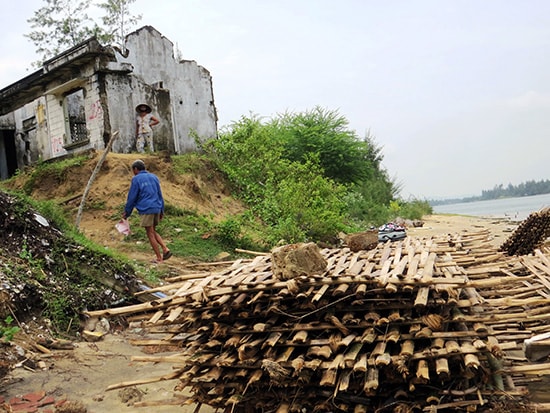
[{"x": 456, "y": 92}]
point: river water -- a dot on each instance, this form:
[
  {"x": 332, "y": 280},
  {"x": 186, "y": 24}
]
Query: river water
[{"x": 516, "y": 209}]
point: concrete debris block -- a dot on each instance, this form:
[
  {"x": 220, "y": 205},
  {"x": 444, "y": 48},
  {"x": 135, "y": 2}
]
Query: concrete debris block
[
  {"x": 71, "y": 406},
  {"x": 100, "y": 325},
  {"x": 359, "y": 241},
  {"x": 224, "y": 255},
  {"x": 92, "y": 336},
  {"x": 295, "y": 260}
]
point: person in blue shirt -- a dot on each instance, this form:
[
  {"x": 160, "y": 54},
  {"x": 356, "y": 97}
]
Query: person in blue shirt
[{"x": 145, "y": 195}]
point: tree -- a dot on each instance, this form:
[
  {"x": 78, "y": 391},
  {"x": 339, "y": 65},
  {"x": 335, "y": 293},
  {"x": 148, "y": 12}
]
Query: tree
[
  {"x": 118, "y": 20},
  {"x": 342, "y": 155},
  {"x": 60, "y": 25},
  {"x": 305, "y": 174}
]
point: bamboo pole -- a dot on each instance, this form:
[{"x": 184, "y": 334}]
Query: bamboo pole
[{"x": 92, "y": 178}]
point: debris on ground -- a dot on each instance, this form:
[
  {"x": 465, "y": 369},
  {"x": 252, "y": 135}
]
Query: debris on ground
[{"x": 47, "y": 280}]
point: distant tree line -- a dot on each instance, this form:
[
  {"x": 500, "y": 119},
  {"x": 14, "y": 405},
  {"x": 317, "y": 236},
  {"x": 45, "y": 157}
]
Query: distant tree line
[{"x": 528, "y": 188}]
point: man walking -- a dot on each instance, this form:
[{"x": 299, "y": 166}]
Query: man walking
[{"x": 145, "y": 195}]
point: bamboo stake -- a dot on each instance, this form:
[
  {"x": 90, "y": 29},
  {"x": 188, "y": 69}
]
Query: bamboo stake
[
  {"x": 171, "y": 376},
  {"x": 371, "y": 383},
  {"x": 442, "y": 368},
  {"x": 540, "y": 368},
  {"x": 422, "y": 371},
  {"x": 361, "y": 364},
  {"x": 92, "y": 178},
  {"x": 252, "y": 252}
]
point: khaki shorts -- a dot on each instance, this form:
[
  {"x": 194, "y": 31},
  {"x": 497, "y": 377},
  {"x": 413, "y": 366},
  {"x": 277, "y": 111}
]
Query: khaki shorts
[{"x": 150, "y": 220}]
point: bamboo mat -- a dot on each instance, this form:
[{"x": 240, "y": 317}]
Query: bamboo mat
[{"x": 420, "y": 324}]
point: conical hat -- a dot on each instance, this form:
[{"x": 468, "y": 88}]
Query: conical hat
[{"x": 143, "y": 105}]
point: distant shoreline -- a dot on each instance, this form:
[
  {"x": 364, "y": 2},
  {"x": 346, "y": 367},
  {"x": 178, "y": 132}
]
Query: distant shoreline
[
  {"x": 443, "y": 224},
  {"x": 516, "y": 209}
]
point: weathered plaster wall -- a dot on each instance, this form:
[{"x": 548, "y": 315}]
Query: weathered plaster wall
[
  {"x": 121, "y": 92},
  {"x": 7, "y": 121},
  {"x": 94, "y": 108},
  {"x": 32, "y": 128},
  {"x": 189, "y": 85},
  {"x": 54, "y": 109},
  {"x": 50, "y": 114}
]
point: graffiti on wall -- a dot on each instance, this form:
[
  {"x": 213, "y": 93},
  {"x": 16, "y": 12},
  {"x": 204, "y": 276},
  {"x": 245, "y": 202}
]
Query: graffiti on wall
[
  {"x": 96, "y": 111},
  {"x": 57, "y": 145}
]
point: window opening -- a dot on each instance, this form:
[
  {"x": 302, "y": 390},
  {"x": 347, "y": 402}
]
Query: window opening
[{"x": 75, "y": 117}]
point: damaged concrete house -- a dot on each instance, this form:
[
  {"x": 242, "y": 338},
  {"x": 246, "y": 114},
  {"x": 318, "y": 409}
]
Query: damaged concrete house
[{"x": 79, "y": 98}]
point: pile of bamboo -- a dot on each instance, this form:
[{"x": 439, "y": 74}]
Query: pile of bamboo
[
  {"x": 529, "y": 235},
  {"x": 414, "y": 325}
]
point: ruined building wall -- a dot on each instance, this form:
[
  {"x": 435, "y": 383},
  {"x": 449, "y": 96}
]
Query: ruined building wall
[
  {"x": 188, "y": 84},
  {"x": 120, "y": 102}
]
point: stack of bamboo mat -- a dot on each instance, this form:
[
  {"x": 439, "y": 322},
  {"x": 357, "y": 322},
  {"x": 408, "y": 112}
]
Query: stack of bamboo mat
[{"x": 414, "y": 325}]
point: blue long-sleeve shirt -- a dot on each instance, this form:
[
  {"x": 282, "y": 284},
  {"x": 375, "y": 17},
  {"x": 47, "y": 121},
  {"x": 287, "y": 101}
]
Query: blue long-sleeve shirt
[{"x": 145, "y": 195}]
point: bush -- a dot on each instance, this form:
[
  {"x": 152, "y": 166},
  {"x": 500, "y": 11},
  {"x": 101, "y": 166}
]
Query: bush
[
  {"x": 415, "y": 209},
  {"x": 294, "y": 173},
  {"x": 303, "y": 205},
  {"x": 7, "y": 330}
]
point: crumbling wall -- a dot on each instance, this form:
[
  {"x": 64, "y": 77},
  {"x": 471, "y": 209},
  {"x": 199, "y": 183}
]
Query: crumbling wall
[{"x": 189, "y": 85}]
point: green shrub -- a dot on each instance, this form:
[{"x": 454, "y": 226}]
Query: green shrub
[
  {"x": 415, "y": 209},
  {"x": 7, "y": 330},
  {"x": 229, "y": 232},
  {"x": 295, "y": 170}
]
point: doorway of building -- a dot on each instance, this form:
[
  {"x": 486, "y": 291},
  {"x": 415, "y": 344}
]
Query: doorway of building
[{"x": 8, "y": 156}]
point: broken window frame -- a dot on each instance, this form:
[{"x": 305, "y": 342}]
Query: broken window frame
[{"x": 74, "y": 112}]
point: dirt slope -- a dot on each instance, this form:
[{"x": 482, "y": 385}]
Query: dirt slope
[
  {"x": 202, "y": 190},
  {"x": 83, "y": 372}
]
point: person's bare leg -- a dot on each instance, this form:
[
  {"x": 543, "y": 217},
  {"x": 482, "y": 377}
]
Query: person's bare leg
[
  {"x": 160, "y": 242},
  {"x": 152, "y": 235}
]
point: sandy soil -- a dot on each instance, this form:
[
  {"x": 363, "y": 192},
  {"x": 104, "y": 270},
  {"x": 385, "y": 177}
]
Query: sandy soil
[
  {"x": 85, "y": 372},
  {"x": 201, "y": 190},
  {"x": 436, "y": 225}
]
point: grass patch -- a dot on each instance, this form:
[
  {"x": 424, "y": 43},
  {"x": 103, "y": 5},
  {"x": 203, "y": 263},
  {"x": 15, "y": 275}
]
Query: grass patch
[
  {"x": 190, "y": 163},
  {"x": 59, "y": 171}
]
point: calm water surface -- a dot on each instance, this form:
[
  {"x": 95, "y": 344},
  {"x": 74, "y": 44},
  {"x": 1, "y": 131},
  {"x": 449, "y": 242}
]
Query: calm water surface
[{"x": 512, "y": 208}]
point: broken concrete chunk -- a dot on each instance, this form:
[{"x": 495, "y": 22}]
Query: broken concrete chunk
[
  {"x": 359, "y": 241},
  {"x": 92, "y": 336},
  {"x": 295, "y": 260}
]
